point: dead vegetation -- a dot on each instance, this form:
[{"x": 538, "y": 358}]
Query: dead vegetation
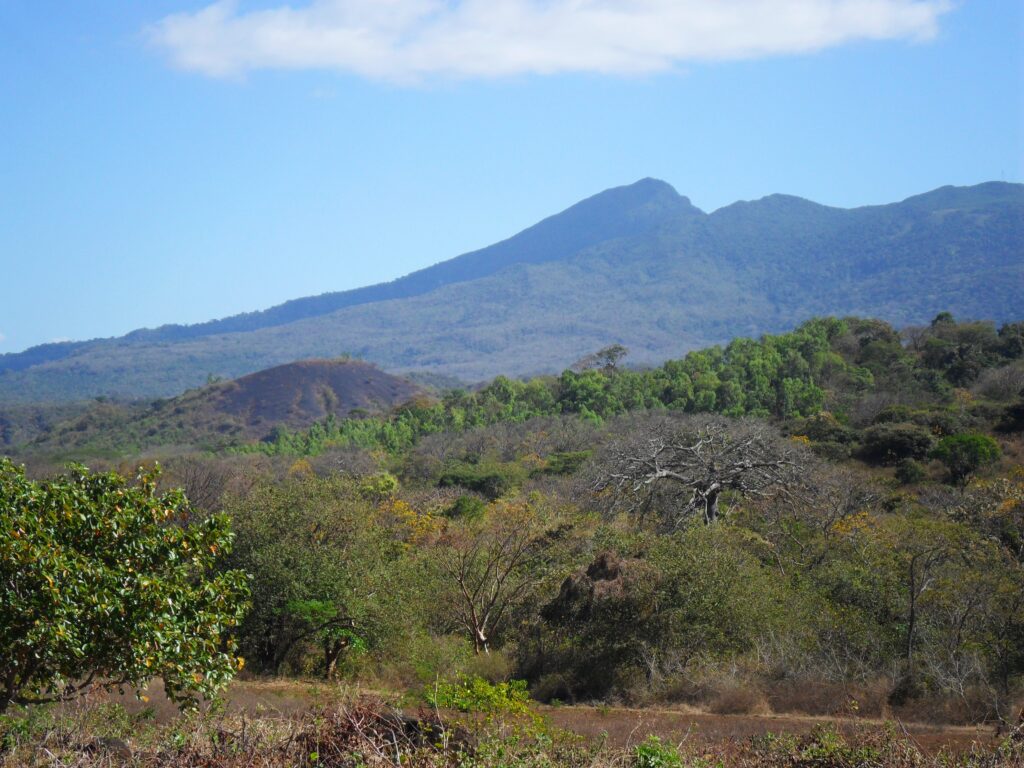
[{"x": 366, "y": 732}]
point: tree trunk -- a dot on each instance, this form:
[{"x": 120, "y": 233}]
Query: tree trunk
[
  {"x": 711, "y": 507},
  {"x": 911, "y": 619},
  {"x": 480, "y": 642},
  {"x": 332, "y": 652}
]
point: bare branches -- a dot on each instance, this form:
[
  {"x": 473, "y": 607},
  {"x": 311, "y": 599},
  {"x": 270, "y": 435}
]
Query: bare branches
[
  {"x": 491, "y": 569},
  {"x": 679, "y": 468}
]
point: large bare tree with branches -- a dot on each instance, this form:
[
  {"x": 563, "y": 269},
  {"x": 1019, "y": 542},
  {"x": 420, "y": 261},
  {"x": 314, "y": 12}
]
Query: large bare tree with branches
[{"x": 680, "y": 467}]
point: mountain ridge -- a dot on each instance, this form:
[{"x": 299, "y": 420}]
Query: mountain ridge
[{"x": 603, "y": 262}]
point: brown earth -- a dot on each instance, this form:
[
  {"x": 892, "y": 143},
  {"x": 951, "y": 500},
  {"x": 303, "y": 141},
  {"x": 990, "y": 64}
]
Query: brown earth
[
  {"x": 615, "y": 726},
  {"x": 298, "y": 394},
  {"x": 621, "y": 727}
]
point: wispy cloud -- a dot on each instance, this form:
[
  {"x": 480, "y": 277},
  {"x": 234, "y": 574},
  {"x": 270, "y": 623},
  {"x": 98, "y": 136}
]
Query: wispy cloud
[{"x": 410, "y": 40}]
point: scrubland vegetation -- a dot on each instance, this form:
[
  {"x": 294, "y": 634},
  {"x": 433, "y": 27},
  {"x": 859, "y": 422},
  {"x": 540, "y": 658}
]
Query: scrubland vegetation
[{"x": 827, "y": 522}]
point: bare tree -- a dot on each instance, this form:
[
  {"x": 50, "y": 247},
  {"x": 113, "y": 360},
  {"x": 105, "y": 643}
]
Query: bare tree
[
  {"x": 204, "y": 480},
  {"x": 682, "y": 467},
  {"x": 492, "y": 566}
]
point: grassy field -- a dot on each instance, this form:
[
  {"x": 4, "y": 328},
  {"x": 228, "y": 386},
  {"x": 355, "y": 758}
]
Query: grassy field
[{"x": 287, "y": 722}]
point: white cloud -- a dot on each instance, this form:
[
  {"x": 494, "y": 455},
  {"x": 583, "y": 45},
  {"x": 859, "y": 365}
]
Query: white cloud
[
  {"x": 409, "y": 40},
  {"x": 3, "y": 337}
]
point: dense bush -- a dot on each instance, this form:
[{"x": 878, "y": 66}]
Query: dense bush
[
  {"x": 489, "y": 479},
  {"x": 107, "y": 583},
  {"x": 891, "y": 443},
  {"x": 467, "y": 507},
  {"x": 965, "y": 454},
  {"x": 326, "y": 573},
  {"x": 909, "y": 471}
]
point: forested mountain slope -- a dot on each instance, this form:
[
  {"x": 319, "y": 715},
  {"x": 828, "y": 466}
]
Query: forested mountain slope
[{"x": 637, "y": 265}]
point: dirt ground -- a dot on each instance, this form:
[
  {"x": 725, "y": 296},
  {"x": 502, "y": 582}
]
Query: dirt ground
[
  {"x": 617, "y": 726},
  {"x": 621, "y": 727}
]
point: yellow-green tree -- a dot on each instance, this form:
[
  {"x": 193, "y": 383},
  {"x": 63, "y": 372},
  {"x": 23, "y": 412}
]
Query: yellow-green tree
[{"x": 108, "y": 583}]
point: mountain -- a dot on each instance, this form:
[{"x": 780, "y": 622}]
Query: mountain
[
  {"x": 637, "y": 265},
  {"x": 294, "y": 396}
]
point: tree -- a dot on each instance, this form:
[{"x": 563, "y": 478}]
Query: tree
[
  {"x": 965, "y": 454},
  {"x": 693, "y": 594},
  {"x": 323, "y": 568},
  {"x": 684, "y": 466},
  {"x": 105, "y": 584},
  {"x": 891, "y": 443},
  {"x": 491, "y": 564},
  {"x": 606, "y": 359}
]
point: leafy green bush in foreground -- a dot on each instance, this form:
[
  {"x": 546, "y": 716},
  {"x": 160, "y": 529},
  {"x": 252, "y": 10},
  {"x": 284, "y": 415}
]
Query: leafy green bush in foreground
[{"x": 106, "y": 583}]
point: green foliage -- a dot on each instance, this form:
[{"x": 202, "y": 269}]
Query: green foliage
[
  {"x": 891, "y": 443},
  {"x": 827, "y": 746},
  {"x": 474, "y": 694},
  {"x": 847, "y": 578},
  {"x": 325, "y": 572},
  {"x": 467, "y": 508},
  {"x": 965, "y": 454},
  {"x": 909, "y": 471},
  {"x": 377, "y": 488},
  {"x": 825, "y": 363},
  {"x": 654, "y": 753},
  {"x": 694, "y": 595},
  {"x": 492, "y": 480},
  {"x": 107, "y": 582},
  {"x": 565, "y": 463}
]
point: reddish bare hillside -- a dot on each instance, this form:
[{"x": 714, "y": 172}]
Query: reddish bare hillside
[
  {"x": 294, "y": 396},
  {"x": 298, "y": 394}
]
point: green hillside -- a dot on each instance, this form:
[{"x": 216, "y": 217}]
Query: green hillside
[{"x": 934, "y": 380}]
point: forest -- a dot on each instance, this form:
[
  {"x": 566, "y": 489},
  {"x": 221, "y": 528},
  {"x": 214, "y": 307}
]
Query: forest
[{"x": 826, "y": 522}]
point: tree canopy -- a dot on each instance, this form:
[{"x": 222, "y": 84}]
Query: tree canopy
[{"x": 108, "y": 583}]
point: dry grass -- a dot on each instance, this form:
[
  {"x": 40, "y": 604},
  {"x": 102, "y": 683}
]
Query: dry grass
[{"x": 360, "y": 731}]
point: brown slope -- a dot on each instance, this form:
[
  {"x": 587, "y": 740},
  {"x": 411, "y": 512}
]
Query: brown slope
[
  {"x": 295, "y": 396},
  {"x": 298, "y": 394}
]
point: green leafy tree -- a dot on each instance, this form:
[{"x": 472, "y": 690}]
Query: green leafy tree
[
  {"x": 324, "y": 569},
  {"x": 965, "y": 454},
  {"x": 107, "y": 583},
  {"x": 891, "y": 443},
  {"x": 695, "y": 594}
]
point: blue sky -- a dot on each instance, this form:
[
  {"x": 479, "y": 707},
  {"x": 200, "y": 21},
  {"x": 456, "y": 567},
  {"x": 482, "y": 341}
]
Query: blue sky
[{"x": 175, "y": 161}]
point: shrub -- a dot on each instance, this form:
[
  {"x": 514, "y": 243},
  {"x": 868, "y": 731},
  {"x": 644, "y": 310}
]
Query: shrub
[
  {"x": 467, "y": 508},
  {"x": 108, "y": 583},
  {"x": 825, "y": 428},
  {"x": 965, "y": 454},
  {"x": 654, "y": 753},
  {"x": 490, "y": 480},
  {"x": 832, "y": 451},
  {"x": 474, "y": 694},
  {"x": 889, "y": 443},
  {"x": 909, "y": 471},
  {"x": 895, "y": 414},
  {"x": 566, "y": 463}
]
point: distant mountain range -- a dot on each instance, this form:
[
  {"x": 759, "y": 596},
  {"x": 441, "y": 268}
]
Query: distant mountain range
[{"x": 636, "y": 265}]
